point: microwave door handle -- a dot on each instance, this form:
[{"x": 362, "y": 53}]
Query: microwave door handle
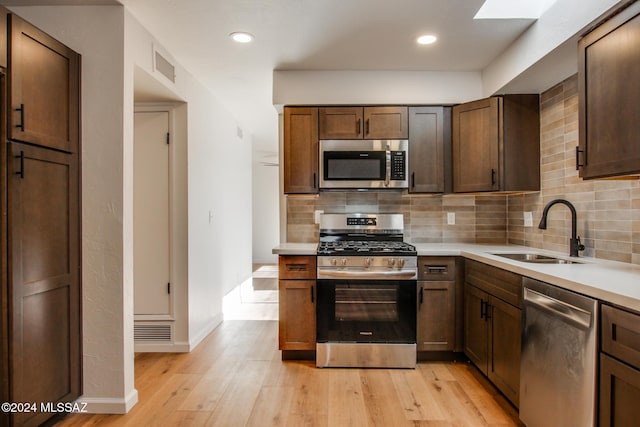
[{"x": 387, "y": 178}]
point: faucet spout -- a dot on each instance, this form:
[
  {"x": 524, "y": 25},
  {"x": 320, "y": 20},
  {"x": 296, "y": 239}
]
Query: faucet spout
[{"x": 574, "y": 243}]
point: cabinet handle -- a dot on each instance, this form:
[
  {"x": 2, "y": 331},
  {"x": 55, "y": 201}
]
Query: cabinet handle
[
  {"x": 21, "y": 124},
  {"x": 482, "y": 308},
  {"x": 437, "y": 269},
  {"x": 421, "y": 295},
  {"x": 297, "y": 267},
  {"x": 578, "y": 151},
  {"x": 493, "y": 177},
  {"x": 413, "y": 180},
  {"x": 20, "y": 173},
  {"x": 312, "y": 297},
  {"x": 315, "y": 180},
  {"x": 487, "y": 310},
  {"x": 358, "y": 127},
  {"x": 366, "y": 129}
]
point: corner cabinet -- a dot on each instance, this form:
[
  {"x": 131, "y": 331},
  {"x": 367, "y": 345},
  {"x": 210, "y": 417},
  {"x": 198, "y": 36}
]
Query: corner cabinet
[
  {"x": 41, "y": 297},
  {"x": 619, "y": 368},
  {"x": 429, "y": 149},
  {"x": 492, "y": 325},
  {"x": 609, "y": 89},
  {"x": 496, "y": 144},
  {"x": 384, "y": 122},
  {"x": 300, "y": 150},
  {"x": 297, "y": 304}
]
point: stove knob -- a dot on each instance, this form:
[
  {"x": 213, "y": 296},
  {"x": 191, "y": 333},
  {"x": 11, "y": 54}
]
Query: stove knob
[
  {"x": 367, "y": 262},
  {"x": 343, "y": 261},
  {"x": 391, "y": 262},
  {"x": 400, "y": 262},
  {"x": 334, "y": 261}
]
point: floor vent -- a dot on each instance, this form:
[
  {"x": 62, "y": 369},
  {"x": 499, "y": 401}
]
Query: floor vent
[{"x": 152, "y": 333}]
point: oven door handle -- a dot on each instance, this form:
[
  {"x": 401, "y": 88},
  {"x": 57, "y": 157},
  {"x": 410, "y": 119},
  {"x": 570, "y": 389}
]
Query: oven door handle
[{"x": 395, "y": 274}]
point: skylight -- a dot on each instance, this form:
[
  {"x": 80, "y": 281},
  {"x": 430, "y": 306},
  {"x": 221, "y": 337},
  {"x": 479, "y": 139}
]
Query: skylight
[{"x": 513, "y": 9}]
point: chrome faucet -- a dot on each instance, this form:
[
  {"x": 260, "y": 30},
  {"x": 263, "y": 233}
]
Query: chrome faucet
[{"x": 574, "y": 242}]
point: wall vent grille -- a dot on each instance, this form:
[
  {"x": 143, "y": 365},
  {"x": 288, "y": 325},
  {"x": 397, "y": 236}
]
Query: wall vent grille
[
  {"x": 164, "y": 67},
  {"x": 152, "y": 333}
]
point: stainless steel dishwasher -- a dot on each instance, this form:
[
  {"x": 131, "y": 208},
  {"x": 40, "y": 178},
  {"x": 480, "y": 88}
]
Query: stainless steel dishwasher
[{"x": 558, "y": 361}]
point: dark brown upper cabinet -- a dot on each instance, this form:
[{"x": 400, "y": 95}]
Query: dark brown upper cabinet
[
  {"x": 429, "y": 149},
  {"x": 363, "y": 122},
  {"x": 496, "y": 144},
  {"x": 300, "y": 150},
  {"x": 609, "y": 89},
  {"x": 43, "y": 89},
  {"x": 4, "y": 13}
]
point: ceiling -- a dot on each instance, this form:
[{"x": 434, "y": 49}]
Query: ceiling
[{"x": 311, "y": 35}]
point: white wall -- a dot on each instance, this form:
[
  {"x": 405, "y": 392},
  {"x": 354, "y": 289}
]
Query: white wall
[
  {"x": 97, "y": 33},
  {"x": 375, "y": 87},
  {"x": 112, "y": 43},
  {"x": 561, "y": 22}
]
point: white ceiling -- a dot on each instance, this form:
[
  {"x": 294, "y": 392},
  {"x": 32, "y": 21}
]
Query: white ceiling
[{"x": 311, "y": 35}]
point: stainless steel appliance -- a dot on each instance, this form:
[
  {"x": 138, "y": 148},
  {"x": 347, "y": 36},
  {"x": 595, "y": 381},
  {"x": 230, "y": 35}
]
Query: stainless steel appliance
[
  {"x": 364, "y": 164},
  {"x": 366, "y": 292},
  {"x": 558, "y": 362}
]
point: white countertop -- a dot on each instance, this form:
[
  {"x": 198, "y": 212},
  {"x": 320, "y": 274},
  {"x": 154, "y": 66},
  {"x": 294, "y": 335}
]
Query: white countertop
[{"x": 614, "y": 282}]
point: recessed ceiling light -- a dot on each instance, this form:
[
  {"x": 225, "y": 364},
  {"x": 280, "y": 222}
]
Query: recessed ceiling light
[
  {"x": 241, "y": 37},
  {"x": 427, "y": 39}
]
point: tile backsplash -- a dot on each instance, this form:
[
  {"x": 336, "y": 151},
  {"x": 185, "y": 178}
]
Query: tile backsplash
[{"x": 608, "y": 210}]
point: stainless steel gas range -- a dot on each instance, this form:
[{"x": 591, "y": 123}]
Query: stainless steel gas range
[{"x": 366, "y": 292}]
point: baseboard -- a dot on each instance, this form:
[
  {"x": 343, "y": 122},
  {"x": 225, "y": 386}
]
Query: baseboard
[
  {"x": 217, "y": 320},
  {"x": 108, "y": 405},
  {"x": 176, "y": 347}
]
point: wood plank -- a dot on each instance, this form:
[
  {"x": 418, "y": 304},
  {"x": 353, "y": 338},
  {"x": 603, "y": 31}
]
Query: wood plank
[
  {"x": 221, "y": 383},
  {"x": 271, "y": 407},
  {"x": 346, "y": 401},
  {"x": 416, "y": 397}
]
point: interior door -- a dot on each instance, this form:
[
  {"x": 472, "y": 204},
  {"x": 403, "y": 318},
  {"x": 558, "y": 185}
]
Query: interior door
[
  {"x": 151, "y": 244},
  {"x": 44, "y": 273}
]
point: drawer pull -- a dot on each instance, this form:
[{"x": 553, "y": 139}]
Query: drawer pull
[
  {"x": 441, "y": 269},
  {"x": 297, "y": 267}
]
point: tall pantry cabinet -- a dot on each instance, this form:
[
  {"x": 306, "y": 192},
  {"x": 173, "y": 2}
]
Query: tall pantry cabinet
[{"x": 41, "y": 311}]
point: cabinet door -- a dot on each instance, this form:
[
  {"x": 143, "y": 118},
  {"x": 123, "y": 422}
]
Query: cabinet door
[
  {"x": 43, "y": 89},
  {"x": 43, "y": 262},
  {"x": 297, "y": 307},
  {"x": 4, "y": 13},
  {"x": 436, "y": 316},
  {"x": 504, "y": 348},
  {"x": 426, "y": 149},
  {"x": 475, "y": 326},
  {"x": 300, "y": 150},
  {"x": 619, "y": 393},
  {"x": 341, "y": 123},
  {"x": 386, "y": 123},
  {"x": 475, "y": 139},
  {"x": 609, "y": 89}
]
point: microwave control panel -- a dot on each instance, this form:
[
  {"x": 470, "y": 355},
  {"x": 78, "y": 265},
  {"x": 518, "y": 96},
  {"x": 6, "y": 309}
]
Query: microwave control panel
[{"x": 398, "y": 165}]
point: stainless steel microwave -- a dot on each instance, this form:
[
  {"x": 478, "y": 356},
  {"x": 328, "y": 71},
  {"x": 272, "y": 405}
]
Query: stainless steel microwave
[{"x": 364, "y": 164}]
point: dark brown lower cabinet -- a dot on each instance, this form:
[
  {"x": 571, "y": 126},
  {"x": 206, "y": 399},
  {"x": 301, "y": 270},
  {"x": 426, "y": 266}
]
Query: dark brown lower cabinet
[
  {"x": 43, "y": 269},
  {"x": 492, "y": 327},
  {"x": 619, "y": 393},
  {"x": 619, "y": 368}
]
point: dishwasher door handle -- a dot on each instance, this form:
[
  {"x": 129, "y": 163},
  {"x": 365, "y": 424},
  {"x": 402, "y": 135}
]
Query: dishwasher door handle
[{"x": 569, "y": 313}]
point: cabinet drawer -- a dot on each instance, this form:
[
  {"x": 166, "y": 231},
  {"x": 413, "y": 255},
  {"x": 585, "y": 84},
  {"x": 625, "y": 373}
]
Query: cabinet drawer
[
  {"x": 436, "y": 268},
  {"x": 297, "y": 267},
  {"x": 498, "y": 282},
  {"x": 621, "y": 334}
]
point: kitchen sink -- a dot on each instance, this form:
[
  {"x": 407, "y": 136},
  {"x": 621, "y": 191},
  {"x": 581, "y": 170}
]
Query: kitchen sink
[{"x": 537, "y": 258}]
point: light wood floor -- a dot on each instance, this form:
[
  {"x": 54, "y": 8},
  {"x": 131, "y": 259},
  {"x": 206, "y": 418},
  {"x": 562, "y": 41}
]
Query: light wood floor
[{"x": 235, "y": 378}]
